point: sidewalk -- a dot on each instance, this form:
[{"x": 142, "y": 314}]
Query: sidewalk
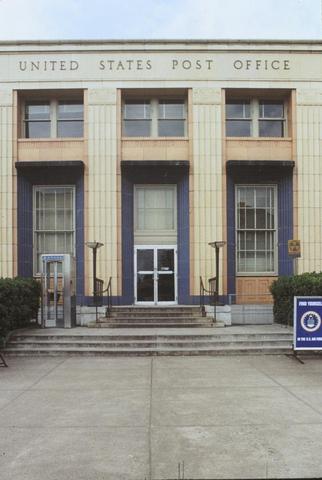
[{"x": 136, "y": 418}]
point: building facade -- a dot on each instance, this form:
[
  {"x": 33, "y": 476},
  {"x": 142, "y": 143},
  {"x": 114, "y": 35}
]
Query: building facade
[{"x": 156, "y": 149}]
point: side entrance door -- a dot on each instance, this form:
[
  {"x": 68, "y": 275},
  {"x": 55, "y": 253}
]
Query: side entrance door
[{"x": 155, "y": 274}]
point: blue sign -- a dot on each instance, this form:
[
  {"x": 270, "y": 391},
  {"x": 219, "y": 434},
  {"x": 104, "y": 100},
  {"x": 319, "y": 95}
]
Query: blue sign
[
  {"x": 52, "y": 257},
  {"x": 307, "y": 323}
]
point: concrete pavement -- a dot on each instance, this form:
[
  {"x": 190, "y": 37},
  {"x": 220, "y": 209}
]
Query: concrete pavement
[{"x": 136, "y": 418}]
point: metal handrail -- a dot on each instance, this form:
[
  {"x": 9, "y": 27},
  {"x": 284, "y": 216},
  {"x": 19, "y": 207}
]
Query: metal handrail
[
  {"x": 98, "y": 295},
  {"x": 211, "y": 293},
  {"x": 108, "y": 290}
]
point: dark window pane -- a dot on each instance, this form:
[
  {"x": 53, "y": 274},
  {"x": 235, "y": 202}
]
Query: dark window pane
[
  {"x": 136, "y": 128},
  {"x": 271, "y": 110},
  {"x": 37, "y": 130},
  {"x": 250, "y": 240},
  {"x": 137, "y": 110},
  {"x": 261, "y": 240},
  {"x": 261, "y": 218},
  {"x": 145, "y": 260},
  {"x": 145, "y": 288},
  {"x": 250, "y": 218},
  {"x": 171, "y": 128},
  {"x": 271, "y": 128},
  {"x": 165, "y": 260},
  {"x": 171, "y": 110},
  {"x": 261, "y": 197},
  {"x": 166, "y": 288},
  {"x": 238, "y": 110},
  {"x": 238, "y": 128},
  {"x": 69, "y": 128},
  {"x": 241, "y": 218},
  {"x": 39, "y": 111},
  {"x": 70, "y": 111}
]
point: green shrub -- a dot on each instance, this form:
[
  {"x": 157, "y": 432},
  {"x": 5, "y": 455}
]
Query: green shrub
[
  {"x": 284, "y": 289},
  {"x": 19, "y": 303}
]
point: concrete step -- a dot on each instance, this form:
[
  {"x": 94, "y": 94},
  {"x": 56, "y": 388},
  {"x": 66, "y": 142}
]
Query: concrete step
[
  {"x": 118, "y": 351},
  {"x": 149, "y": 342},
  {"x": 227, "y": 337},
  {"x": 175, "y": 308},
  {"x": 164, "y": 324},
  {"x": 158, "y": 318},
  {"x": 153, "y": 343},
  {"x": 157, "y": 314}
]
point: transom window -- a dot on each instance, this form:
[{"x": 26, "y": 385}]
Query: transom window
[
  {"x": 53, "y": 118},
  {"x": 155, "y": 208},
  {"x": 256, "y": 229},
  {"x": 255, "y": 118},
  {"x": 54, "y": 221},
  {"x": 154, "y": 118}
]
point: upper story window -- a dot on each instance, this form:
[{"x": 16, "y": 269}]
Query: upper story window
[
  {"x": 137, "y": 119},
  {"x": 52, "y": 118},
  {"x": 256, "y": 117},
  {"x": 154, "y": 118}
]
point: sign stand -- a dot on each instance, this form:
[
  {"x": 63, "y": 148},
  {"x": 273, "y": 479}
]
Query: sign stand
[
  {"x": 2, "y": 361},
  {"x": 295, "y": 356},
  {"x": 307, "y": 325}
]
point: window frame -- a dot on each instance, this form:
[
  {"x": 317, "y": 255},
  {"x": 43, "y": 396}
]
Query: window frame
[
  {"x": 155, "y": 102},
  {"x": 255, "y": 102},
  {"x": 255, "y": 230},
  {"x": 53, "y": 102},
  {"x": 35, "y": 231}
]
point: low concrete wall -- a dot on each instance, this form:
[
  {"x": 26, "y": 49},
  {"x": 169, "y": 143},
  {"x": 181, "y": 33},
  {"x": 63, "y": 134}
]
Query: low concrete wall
[
  {"x": 222, "y": 313},
  {"x": 252, "y": 314},
  {"x": 84, "y": 315}
]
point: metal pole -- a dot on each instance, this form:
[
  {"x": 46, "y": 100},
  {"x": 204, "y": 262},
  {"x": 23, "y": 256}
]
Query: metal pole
[
  {"x": 94, "y": 278},
  {"x": 217, "y": 273}
]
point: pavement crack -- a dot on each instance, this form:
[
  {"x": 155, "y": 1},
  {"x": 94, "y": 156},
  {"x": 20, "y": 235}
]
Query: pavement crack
[
  {"x": 28, "y": 389},
  {"x": 287, "y": 390}
]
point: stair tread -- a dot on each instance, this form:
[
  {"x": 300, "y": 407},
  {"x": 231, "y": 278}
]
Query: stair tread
[
  {"x": 158, "y": 339},
  {"x": 219, "y": 347}
]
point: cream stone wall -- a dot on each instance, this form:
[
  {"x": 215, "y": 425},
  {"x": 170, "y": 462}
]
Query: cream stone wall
[
  {"x": 308, "y": 211},
  {"x": 101, "y": 184},
  {"x": 205, "y": 183},
  {"x": 7, "y": 244},
  {"x": 203, "y": 68}
]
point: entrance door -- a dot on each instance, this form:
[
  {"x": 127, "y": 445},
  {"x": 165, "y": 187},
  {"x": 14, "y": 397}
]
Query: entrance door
[{"x": 155, "y": 281}]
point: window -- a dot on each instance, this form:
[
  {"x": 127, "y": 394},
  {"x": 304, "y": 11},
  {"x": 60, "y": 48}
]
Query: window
[
  {"x": 256, "y": 221},
  {"x": 271, "y": 119},
  {"x": 137, "y": 119},
  {"x": 155, "y": 208},
  {"x": 54, "y": 222},
  {"x": 53, "y": 118},
  {"x": 37, "y": 120},
  {"x": 255, "y": 118},
  {"x": 171, "y": 121},
  {"x": 154, "y": 118},
  {"x": 238, "y": 119}
]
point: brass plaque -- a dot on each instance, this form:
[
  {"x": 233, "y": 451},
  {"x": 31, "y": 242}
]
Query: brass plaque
[{"x": 294, "y": 248}]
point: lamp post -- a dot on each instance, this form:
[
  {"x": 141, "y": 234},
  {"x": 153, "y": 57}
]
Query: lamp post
[
  {"x": 217, "y": 245},
  {"x": 94, "y": 246}
]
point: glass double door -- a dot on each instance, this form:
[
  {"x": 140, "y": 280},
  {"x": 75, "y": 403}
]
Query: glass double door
[{"x": 155, "y": 270}]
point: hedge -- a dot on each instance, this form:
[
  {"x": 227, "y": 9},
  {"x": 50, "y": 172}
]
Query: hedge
[
  {"x": 19, "y": 303},
  {"x": 284, "y": 289}
]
